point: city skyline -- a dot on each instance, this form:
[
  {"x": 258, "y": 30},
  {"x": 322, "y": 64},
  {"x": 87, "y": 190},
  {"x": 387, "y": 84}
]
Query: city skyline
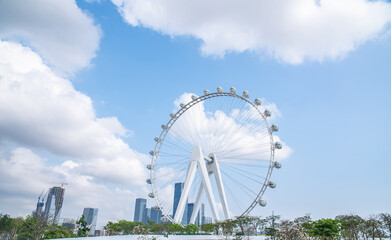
[{"x": 86, "y": 85}]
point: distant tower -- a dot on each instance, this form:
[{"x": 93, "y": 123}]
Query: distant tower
[
  {"x": 190, "y": 208},
  {"x": 156, "y": 215},
  {"x": 140, "y": 210},
  {"x": 91, "y": 215},
  {"x": 54, "y": 203},
  {"x": 40, "y": 204},
  {"x": 177, "y": 197}
]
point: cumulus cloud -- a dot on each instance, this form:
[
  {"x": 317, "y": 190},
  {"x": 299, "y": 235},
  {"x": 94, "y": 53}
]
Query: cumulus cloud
[
  {"x": 60, "y": 31},
  {"x": 42, "y": 111},
  {"x": 289, "y": 30},
  {"x": 24, "y": 174}
]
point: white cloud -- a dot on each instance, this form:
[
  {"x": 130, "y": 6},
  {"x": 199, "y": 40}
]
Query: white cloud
[
  {"x": 24, "y": 174},
  {"x": 42, "y": 111},
  {"x": 289, "y": 30},
  {"x": 62, "y": 33}
]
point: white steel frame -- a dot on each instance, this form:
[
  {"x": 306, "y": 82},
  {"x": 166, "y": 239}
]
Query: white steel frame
[{"x": 198, "y": 161}]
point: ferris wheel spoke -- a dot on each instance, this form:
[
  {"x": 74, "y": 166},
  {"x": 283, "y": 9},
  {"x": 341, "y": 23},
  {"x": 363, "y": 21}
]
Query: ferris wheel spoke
[
  {"x": 243, "y": 174},
  {"x": 231, "y": 128},
  {"x": 175, "y": 146},
  {"x": 240, "y": 185},
  {"x": 242, "y": 164}
]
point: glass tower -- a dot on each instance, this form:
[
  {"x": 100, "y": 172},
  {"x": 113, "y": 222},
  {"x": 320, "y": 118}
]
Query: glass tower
[
  {"x": 91, "y": 215},
  {"x": 140, "y": 210},
  {"x": 177, "y": 196},
  {"x": 54, "y": 203}
]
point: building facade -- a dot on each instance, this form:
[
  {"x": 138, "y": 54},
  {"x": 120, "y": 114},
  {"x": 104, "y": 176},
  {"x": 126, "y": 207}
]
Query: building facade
[
  {"x": 177, "y": 196},
  {"x": 91, "y": 216},
  {"x": 140, "y": 211},
  {"x": 156, "y": 215},
  {"x": 54, "y": 203}
]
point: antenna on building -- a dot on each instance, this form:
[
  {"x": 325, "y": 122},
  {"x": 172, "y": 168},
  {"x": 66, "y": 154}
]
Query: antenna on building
[
  {"x": 62, "y": 183},
  {"x": 40, "y": 195}
]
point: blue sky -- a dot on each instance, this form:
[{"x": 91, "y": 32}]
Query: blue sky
[{"x": 334, "y": 103}]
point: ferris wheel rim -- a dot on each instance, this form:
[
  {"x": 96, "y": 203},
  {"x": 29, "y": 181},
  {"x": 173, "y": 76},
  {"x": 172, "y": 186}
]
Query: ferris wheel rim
[{"x": 177, "y": 115}]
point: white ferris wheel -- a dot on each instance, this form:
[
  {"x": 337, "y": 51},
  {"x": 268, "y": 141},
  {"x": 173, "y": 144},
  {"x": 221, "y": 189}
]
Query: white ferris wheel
[{"x": 220, "y": 147}]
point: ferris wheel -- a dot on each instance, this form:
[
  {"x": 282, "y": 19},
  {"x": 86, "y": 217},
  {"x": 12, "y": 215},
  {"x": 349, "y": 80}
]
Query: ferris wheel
[{"x": 216, "y": 150}]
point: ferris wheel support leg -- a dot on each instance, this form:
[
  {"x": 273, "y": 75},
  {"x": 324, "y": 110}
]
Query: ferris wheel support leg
[
  {"x": 198, "y": 203},
  {"x": 220, "y": 186},
  {"x": 208, "y": 188},
  {"x": 185, "y": 192}
]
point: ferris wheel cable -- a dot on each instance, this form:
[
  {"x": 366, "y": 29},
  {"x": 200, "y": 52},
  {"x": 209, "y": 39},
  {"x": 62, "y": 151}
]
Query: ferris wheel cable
[
  {"x": 249, "y": 165},
  {"x": 246, "y": 172},
  {"x": 172, "y": 175},
  {"x": 172, "y": 132},
  {"x": 243, "y": 175},
  {"x": 171, "y": 155},
  {"x": 240, "y": 185},
  {"x": 231, "y": 123},
  {"x": 234, "y": 197},
  {"x": 241, "y": 155},
  {"x": 182, "y": 145},
  {"x": 175, "y": 146},
  {"x": 256, "y": 146},
  {"x": 233, "y": 134}
]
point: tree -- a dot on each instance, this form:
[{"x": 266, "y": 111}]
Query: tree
[
  {"x": 227, "y": 227},
  {"x": 112, "y": 228},
  {"x": 156, "y": 228},
  {"x": 32, "y": 228},
  {"x": 175, "y": 228},
  {"x": 191, "y": 229},
  {"x": 83, "y": 229},
  {"x": 351, "y": 226},
  {"x": 271, "y": 228},
  {"x": 57, "y": 232},
  {"x": 207, "y": 227},
  {"x": 374, "y": 227},
  {"x": 325, "y": 229},
  {"x": 8, "y": 226},
  {"x": 386, "y": 219}
]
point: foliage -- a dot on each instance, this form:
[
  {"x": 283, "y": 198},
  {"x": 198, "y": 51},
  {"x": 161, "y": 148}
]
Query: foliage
[
  {"x": 227, "y": 227},
  {"x": 386, "y": 219},
  {"x": 57, "y": 232},
  {"x": 325, "y": 228},
  {"x": 191, "y": 229},
  {"x": 175, "y": 228},
  {"x": 207, "y": 228},
  {"x": 351, "y": 226},
  {"x": 32, "y": 228},
  {"x": 374, "y": 227},
  {"x": 83, "y": 229}
]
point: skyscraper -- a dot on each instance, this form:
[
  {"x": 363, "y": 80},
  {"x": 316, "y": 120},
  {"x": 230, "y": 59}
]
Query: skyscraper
[
  {"x": 140, "y": 210},
  {"x": 54, "y": 203},
  {"x": 91, "y": 215},
  {"x": 190, "y": 208},
  {"x": 177, "y": 196},
  {"x": 156, "y": 215}
]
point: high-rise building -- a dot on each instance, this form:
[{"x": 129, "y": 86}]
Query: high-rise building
[
  {"x": 177, "y": 196},
  {"x": 54, "y": 203},
  {"x": 40, "y": 205},
  {"x": 156, "y": 215},
  {"x": 91, "y": 215},
  {"x": 140, "y": 211},
  {"x": 190, "y": 208},
  {"x": 206, "y": 220},
  {"x": 200, "y": 215}
]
